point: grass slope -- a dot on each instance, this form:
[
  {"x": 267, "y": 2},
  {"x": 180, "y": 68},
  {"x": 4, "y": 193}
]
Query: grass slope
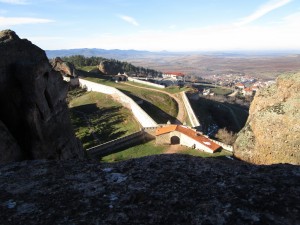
[
  {"x": 97, "y": 118},
  {"x": 159, "y": 106},
  {"x": 150, "y": 148}
]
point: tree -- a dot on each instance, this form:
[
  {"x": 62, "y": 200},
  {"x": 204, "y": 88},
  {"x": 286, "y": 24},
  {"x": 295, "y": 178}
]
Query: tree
[{"x": 225, "y": 136}]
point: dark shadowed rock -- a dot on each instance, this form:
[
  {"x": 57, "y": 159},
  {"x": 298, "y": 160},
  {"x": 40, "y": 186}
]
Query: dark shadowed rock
[
  {"x": 165, "y": 189},
  {"x": 272, "y": 132},
  {"x": 33, "y": 108}
]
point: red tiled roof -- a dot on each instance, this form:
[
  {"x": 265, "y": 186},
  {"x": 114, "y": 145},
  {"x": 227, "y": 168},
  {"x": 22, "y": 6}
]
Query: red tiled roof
[
  {"x": 190, "y": 133},
  {"x": 248, "y": 89},
  {"x": 175, "y": 73},
  {"x": 240, "y": 85},
  {"x": 164, "y": 130}
]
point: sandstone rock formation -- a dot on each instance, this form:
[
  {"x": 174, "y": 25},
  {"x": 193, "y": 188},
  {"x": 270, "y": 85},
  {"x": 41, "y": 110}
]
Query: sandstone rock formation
[
  {"x": 65, "y": 68},
  {"x": 165, "y": 189},
  {"x": 34, "y": 116},
  {"x": 272, "y": 132}
]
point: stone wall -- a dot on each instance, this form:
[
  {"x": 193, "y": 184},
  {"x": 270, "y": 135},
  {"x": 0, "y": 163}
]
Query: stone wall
[
  {"x": 118, "y": 144},
  {"x": 144, "y": 119},
  {"x": 145, "y": 83},
  {"x": 193, "y": 118}
]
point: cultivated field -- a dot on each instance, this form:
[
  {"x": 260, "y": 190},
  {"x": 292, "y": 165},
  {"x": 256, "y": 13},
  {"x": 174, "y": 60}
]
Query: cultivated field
[{"x": 264, "y": 67}]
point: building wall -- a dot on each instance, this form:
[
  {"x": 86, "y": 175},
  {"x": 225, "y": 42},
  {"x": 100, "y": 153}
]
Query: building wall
[
  {"x": 144, "y": 119},
  {"x": 193, "y": 118},
  {"x": 145, "y": 82},
  {"x": 165, "y": 139}
]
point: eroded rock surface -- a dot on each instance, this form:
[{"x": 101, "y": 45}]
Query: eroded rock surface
[
  {"x": 33, "y": 108},
  {"x": 65, "y": 68},
  {"x": 272, "y": 132},
  {"x": 165, "y": 189}
]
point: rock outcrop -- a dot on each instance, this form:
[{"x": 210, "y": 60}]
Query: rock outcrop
[
  {"x": 109, "y": 67},
  {"x": 272, "y": 132},
  {"x": 65, "y": 68},
  {"x": 164, "y": 189},
  {"x": 34, "y": 116}
]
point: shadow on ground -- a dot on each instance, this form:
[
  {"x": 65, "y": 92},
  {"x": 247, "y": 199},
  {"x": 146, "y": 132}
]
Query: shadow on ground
[{"x": 95, "y": 125}]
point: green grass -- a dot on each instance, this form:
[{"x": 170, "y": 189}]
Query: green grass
[
  {"x": 221, "y": 91},
  {"x": 87, "y": 68},
  {"x": 171, "y": 89},
  {"x": 149, "y": 148},
  {"x": 159, "y": 106},
  {"x": 195, "y": 152},
  {"x": 97, "y": 118}
]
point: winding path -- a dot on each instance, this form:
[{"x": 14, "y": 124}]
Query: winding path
[{"x": 181, "y": 109}]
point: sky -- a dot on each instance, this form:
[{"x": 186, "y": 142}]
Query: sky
[{"x": 156, "y": 25}]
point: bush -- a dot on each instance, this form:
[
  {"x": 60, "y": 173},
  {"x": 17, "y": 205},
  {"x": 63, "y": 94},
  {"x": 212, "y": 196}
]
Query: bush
[{"x": 225, "y": 136}]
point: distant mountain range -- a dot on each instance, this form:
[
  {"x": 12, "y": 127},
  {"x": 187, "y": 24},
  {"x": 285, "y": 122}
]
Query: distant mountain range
[{"x": 129, "y": 54}]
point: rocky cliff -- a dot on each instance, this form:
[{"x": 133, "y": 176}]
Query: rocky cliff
[
  {"x": 34, "y": 119},
  {"x": 164, "y": 189},
  {"x": 65, "y": 68},
  {"x": 272, "y": 132}
]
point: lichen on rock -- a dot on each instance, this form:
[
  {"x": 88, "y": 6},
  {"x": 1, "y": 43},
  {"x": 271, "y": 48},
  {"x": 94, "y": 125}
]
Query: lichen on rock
[{"x": 272, "y": 132}]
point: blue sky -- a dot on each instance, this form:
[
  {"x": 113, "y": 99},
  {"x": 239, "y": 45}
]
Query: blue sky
[{"x": 173, "y": 25}]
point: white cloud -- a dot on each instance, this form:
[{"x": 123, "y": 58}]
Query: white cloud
[
  {"x": 15, "y": 2},
  {"x": 129, "y": 19},
  {"x": 263, "y": 10},
  {"x": 11, "y": 21}
]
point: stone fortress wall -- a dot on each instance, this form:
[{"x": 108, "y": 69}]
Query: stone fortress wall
[
  {"x": 193, "y": 118},
  {"x": 145, "y": 83},
  {"x": 144, "y": 119}
]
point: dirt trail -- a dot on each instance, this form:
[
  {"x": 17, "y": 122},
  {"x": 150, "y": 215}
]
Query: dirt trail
[
  {"x": 174, "y": 149},
  {"x": 181, "y": 109}
]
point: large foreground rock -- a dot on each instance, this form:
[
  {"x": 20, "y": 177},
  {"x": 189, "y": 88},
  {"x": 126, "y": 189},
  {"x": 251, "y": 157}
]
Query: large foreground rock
[
  {"x": 272, "y": 132},
  {"x": 34, "y": 119},
  {"x": 165, "y": 189}
]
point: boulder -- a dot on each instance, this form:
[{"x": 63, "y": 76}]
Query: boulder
[
  {"x": 34, "y": 112},
  {"x": 65, "y": 68},
  {"x": 272, "y": 132}
]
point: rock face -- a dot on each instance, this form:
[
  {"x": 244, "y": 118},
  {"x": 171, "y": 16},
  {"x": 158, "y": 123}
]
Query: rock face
[
  {"x": 109, "y": 67},
  {"x": 34, "y": 116},
  {"x": 165, "y": 189},
  {"x": 65, "y": 68},
  {"x": 272, "y": 132}
]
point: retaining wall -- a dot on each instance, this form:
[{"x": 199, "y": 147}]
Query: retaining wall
[
  {"x": 225, "y": 146},
  {"x": 193, "y": 118},
  {"x": 117, "y": 144},
  {"x": 145, "y": 82},
  {"x": 144, "y": 119}
]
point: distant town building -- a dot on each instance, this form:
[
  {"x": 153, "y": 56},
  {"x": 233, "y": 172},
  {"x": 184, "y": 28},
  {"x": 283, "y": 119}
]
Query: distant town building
[
  {"x": 240, "y": 86},
  {"x": 248, "y": 91},
  {"x": 174, "y": 75}
]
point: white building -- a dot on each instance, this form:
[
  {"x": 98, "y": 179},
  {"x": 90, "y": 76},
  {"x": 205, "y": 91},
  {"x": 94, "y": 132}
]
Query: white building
[
  {"x": 178, "y": 134},
  {"x": 174, "y": 75}
]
